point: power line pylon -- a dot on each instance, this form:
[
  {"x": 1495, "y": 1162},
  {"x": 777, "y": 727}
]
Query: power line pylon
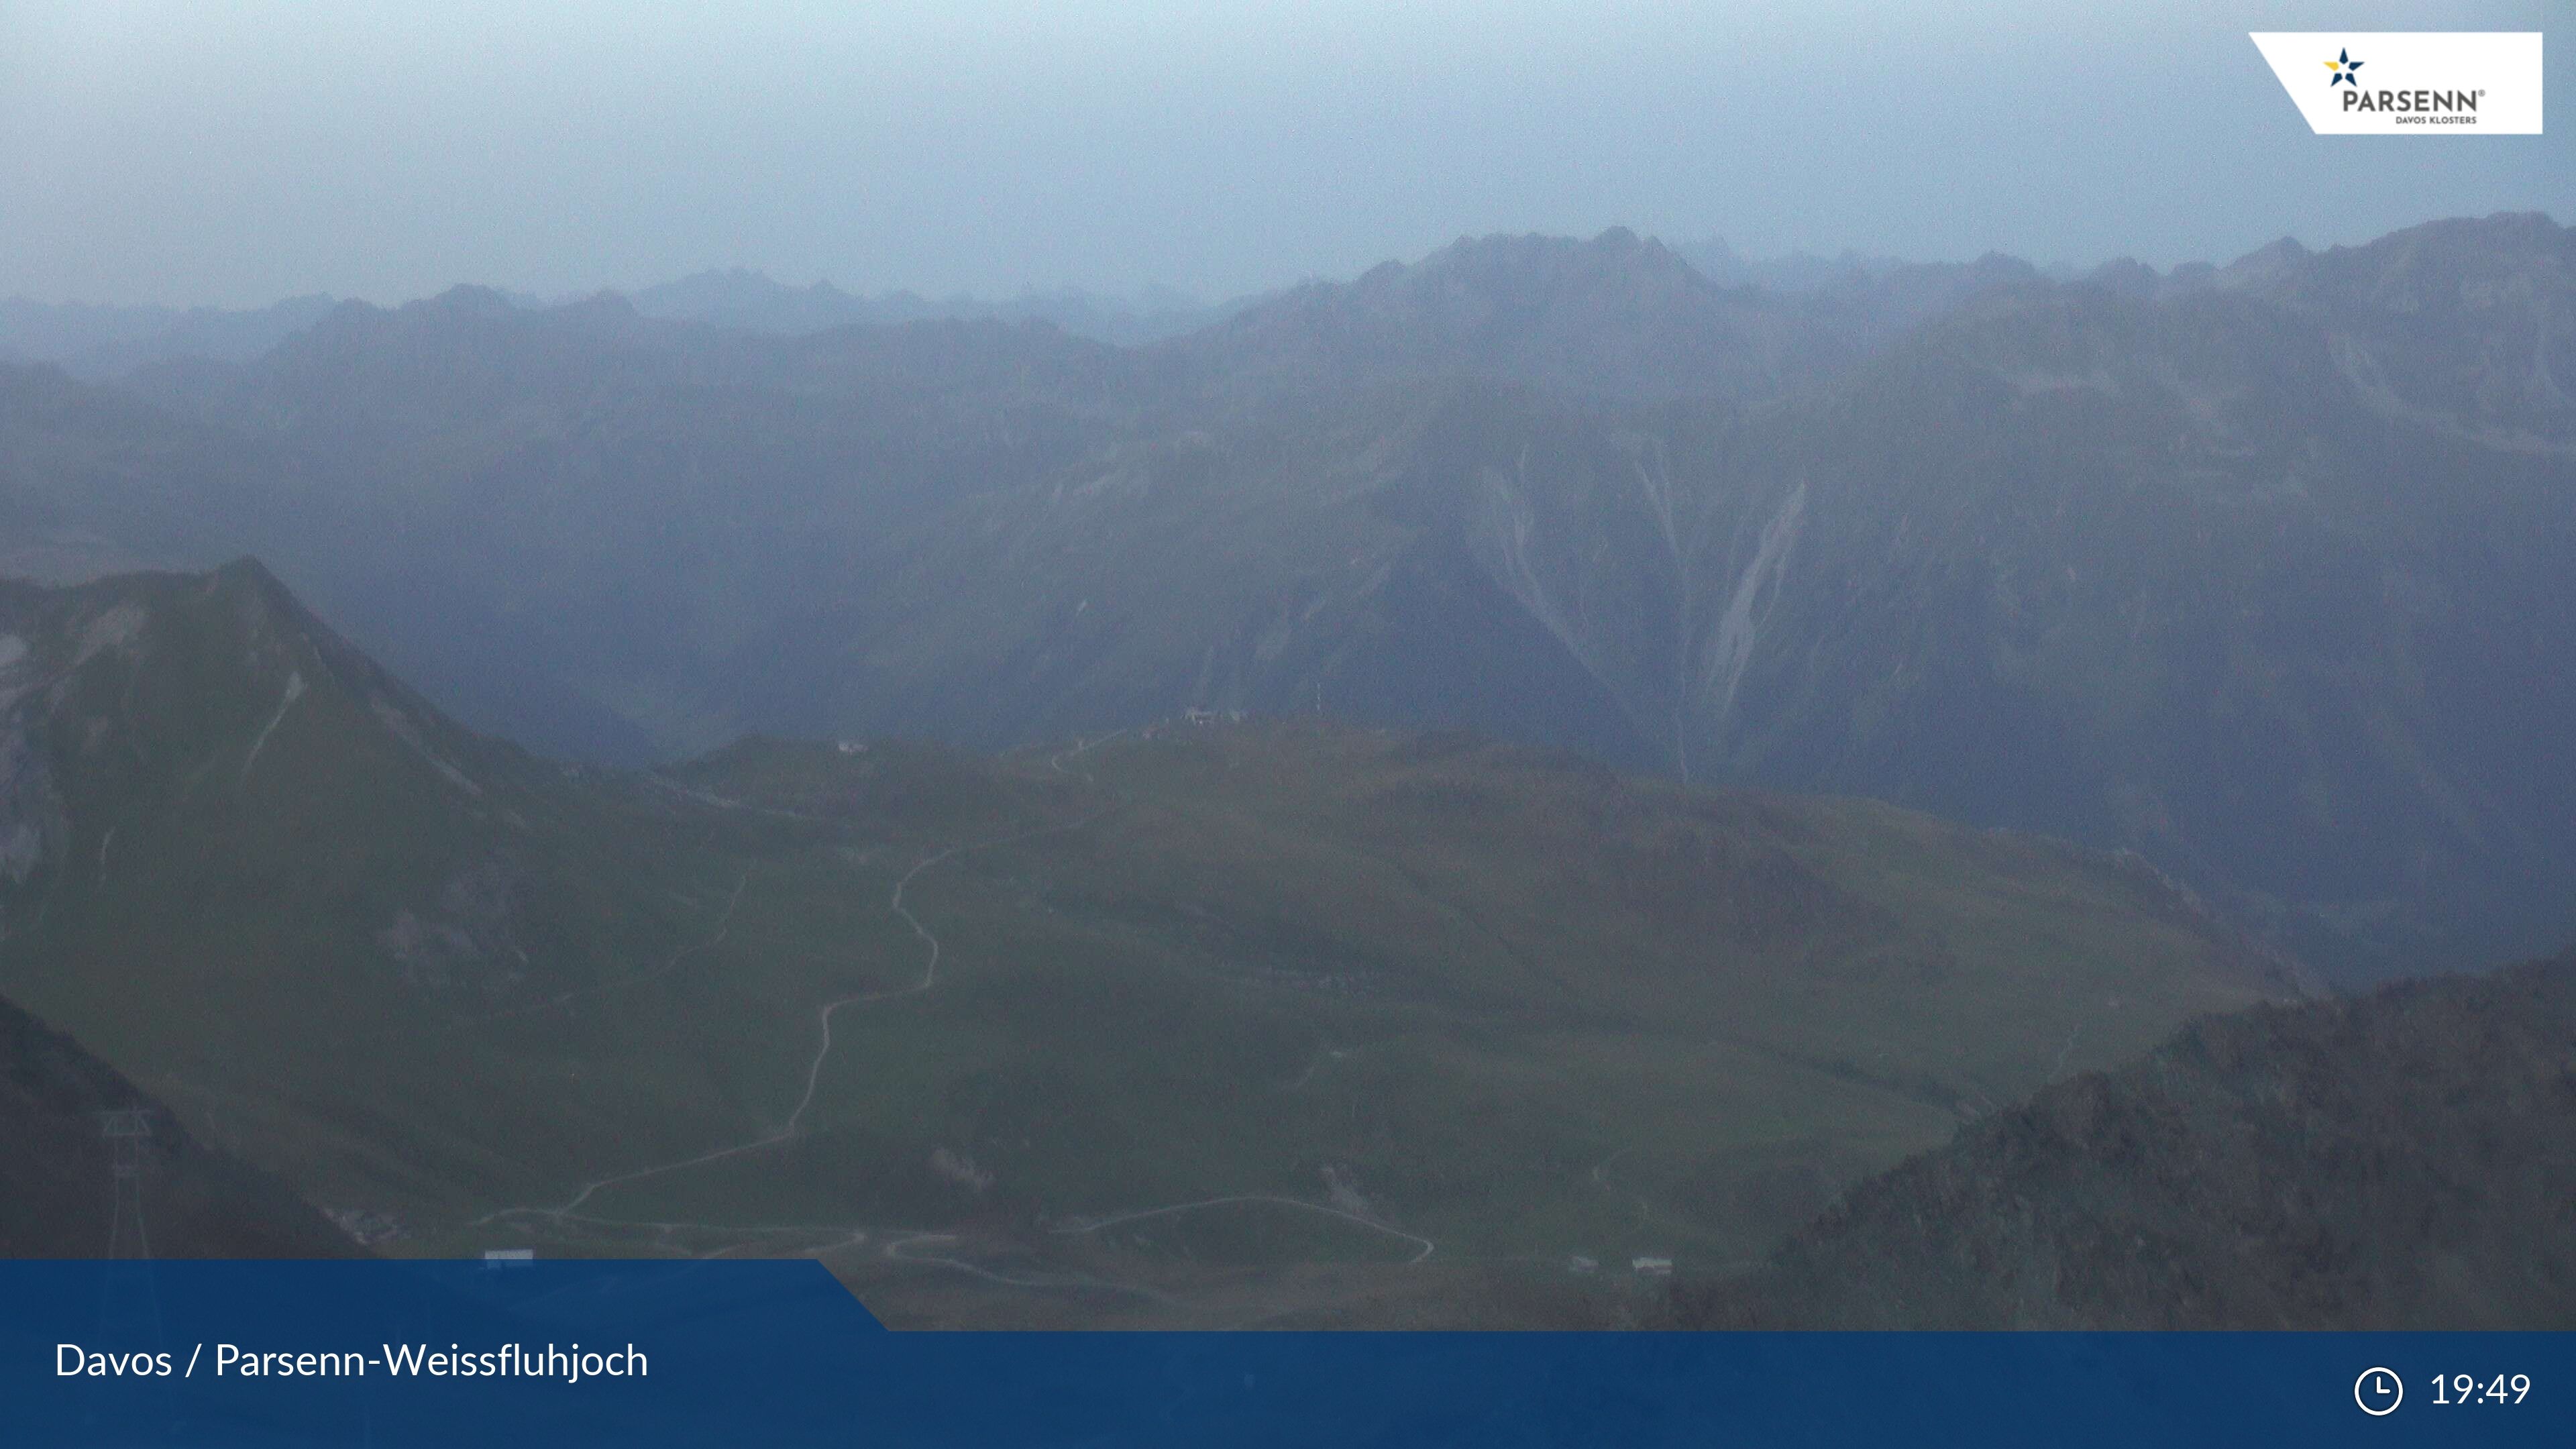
[
  {"x": 126, "y": 1132},
  {"x": 132, "y": 1300}
]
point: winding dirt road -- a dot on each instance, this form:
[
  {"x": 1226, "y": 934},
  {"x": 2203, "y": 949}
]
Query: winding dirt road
[{"x": 570, "y": 1211}]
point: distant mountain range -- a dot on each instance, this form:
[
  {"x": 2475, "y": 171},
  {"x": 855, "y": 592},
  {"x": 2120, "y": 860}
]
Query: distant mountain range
[
  {"x": 2257, "y": 571},
  {"x": 101, "y": 342},
  {"x": 751, "y": 301}
]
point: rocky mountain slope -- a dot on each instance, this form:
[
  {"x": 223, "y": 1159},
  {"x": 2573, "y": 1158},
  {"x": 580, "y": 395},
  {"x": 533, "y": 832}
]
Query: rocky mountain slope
[
  {"x": 2404, "y": 1160},
  {"x": 56, "y": 1176},
  {"x": 2164, "y": 573}
]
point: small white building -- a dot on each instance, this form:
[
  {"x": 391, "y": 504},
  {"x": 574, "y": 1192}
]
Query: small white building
[{"x": 1651, "y": 1267}]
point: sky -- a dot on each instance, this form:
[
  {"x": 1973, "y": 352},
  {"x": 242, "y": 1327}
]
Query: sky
[{"x": 234, "y": 154}]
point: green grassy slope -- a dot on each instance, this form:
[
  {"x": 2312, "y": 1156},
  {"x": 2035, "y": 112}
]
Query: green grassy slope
[
  {"x": 263, "y": 876},
  {"x": 1205, "y": 998}
]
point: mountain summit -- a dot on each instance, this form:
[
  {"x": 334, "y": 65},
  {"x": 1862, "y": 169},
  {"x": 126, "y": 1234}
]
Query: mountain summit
[{"x": 1617, "y": 316}]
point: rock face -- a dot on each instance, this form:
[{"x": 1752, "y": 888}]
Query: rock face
[
  {"x": 2406, "y": 1160},
  {"x": 55, "y": 1173}
]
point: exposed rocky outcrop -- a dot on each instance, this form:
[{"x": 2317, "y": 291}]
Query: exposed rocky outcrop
[{"x": 2403, "y": 1160}]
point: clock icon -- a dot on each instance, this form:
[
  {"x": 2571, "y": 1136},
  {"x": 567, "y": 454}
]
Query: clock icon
[{"x": 2378, "y": 1391}]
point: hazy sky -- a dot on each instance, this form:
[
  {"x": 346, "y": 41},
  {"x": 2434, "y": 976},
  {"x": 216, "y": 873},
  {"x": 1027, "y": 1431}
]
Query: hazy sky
[{"x": 240, "y": 152}]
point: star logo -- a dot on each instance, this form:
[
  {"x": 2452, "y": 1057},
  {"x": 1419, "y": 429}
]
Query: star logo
[{"x": 2343, "y": 66}]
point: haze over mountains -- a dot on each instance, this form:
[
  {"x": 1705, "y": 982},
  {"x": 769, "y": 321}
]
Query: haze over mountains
[
  {"x": 97, "y": 341},
  {"x": 2256, "y": 570},
  {"x": 751, "y": 301},
  {"x": 102, "y": 342}
]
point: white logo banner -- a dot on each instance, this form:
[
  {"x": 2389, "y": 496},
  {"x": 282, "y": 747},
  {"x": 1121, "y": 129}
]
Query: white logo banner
[{"x": 2451, "y": 83}]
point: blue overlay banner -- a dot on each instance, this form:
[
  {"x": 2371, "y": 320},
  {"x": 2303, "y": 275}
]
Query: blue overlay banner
[{"x": 777, "y": 1353}]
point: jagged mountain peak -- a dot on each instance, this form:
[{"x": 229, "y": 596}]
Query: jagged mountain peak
[
  {"x": 1614, "y": 251},
  {"x": 1615, "y": 315},
  {"x": 2468, "y": 323},
  {"x": 468, "y": 298},
  {"x": 2451, "y": 261},
  {"x": 2272, "y": 259},
  {"x": 1503, "y": 272}
]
